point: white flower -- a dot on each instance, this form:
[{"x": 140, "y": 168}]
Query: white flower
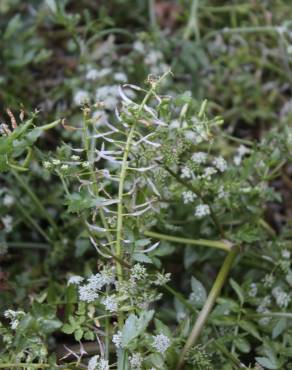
[
  {"x": 139, "y": 46},
  {"x": 242, "y": 150},
  {"x": 8, "y": 200},
  {"x": 108, "y": 95},
  {"x": 136, "y": 361},
  {"x": 253, "y": 290},
  {"x": 186, "y": 173},
  {"x": 64, "y": 167},
  {"x": 138, "y": 272},
  {"x": 237, "y": 160},
  {"x": 188, "y": 196},
  {"x": 281, "y": 297},
  {"x": 81, "y": 97},
  {"x": 153, "y": 57},
  {"x": 92, "y": 363},
  {"x": 110, "y": 303},
  {"x": 286, "y": 254},
  {"x": 222, "y": 193},
  {"x": 117, "y": 339},
  {"x": 75, "y": 279},
  {"x": 75, "y": 157},
  {"x": 120, "y": 77},
  {"x": 85, "y": 164},
  {"x": 14, "y": 317},
  {"x": 268, "y": 280},
  {"x": 100, "y": 118},
  {"x": 220, "y": 164},
  {"x": 94, "y": 74},
  {"x": 161, "y": 343},
  {"x": 161, "y": 279},
  {"x": 56, "y": 162},
  {"x": 199, "y": 157},
  {"x": 208, "y": 172},
  {"x": 202, "y": 210},
  {"x": 7, "y": 222},
  {"x": 87, "y": 294},
  {"x": 47, "y": 164}
]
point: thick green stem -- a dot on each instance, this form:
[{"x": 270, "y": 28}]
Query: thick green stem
[
  {"x": 218, "y": 244},
  {"x": 203, "y": 315}
]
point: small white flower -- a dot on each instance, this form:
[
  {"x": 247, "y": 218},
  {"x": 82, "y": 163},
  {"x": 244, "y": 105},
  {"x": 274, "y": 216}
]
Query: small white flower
[
  {"x": 136, "y": 361},
  {"x": 75, "y": 157},
  {"x": 138, "y": 272},
  {"x": 253, "y": 290},
  {"x": 47, "y": 164},
  {"x": 87, "y": 294},
  {"x": 199, "y": 157},
  {"x": 14, "y": 317},
  {"x": 281, "y": 297},
  {"x": 153, "y": 57},
  {"x": 56, "y": 162},
  {"x": 237, "y": 160},
  {"x": 98, "y": 364},
  {"x": 222, "y": 193},
  {"x": 110, "y": 303},
  {"x": 161, "y": 343},
  {"x": 81, "y": 97},
  {"x": 120, "y": 77},
  {"x": 8, "y": 200},
  {"x": 108, "y": 95},
  {"x": 100, "y": 118},
  {"x": 202, "y": 210},
  {"x": 186, "y": 173},
  {"x": 242, "y": 150},
  {"x": 139, "y": 46},
  {"x": 286, "y": 254},
  {"x": 220, "y": 164},
  {"x": 7, "y": 222},
  {"x": 188, "y": 196},
  {"x": 117, "y": 339},
  {"x": 75, "y": 279},
  {"x": 208, "y": 172},
  {"x": 162, "y": 279},
  {"x": 64, "y": 167},
  {"x": 94, "y": 74},
  {"x": 85, "y": 164}
]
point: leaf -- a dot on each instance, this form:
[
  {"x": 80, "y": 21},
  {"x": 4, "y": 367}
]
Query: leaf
[
  {"x": 141, "y": 257},
  {"x": 267, "y": 363},
  {"x": 242, "y": 344},
  {"x": 279, "y": 327},
  {"x": 250, "y": 328},
  {"x": 78, "y": 334},
  {"x": 83, "y": 200},
  {"x": 134, "y": 326},
  {"x": 199, "y": 292},
  {"x": 237, "y": 290}
]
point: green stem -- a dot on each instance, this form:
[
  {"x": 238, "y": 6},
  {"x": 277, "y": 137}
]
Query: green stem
[
  {"x": 192, "y": 26},
  {"x": 203, "y": 315},
  {"x": 225, "y": 245},
  {"x": 49, "y": 125}
]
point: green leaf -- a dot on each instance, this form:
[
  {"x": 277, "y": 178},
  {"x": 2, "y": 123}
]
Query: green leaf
[
  {"x": 237, "y": 290},
  {"x": 83, "y": 200},
  {"x": 141, "y": 257},
  {"x": 279, "y": 327},
  {"x": 200, "y": 294},
  {"x": 134, "y": 326},
  {"x": 250, "y": 328},
  {"x": 67, "y": 329},
  {"x": 267, "y": 363},
  {"x": 78, "y": 334},
  {"x": 242, "y": 344}
]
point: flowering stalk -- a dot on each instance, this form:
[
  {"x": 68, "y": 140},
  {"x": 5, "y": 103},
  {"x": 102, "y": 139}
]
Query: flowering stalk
[{"x": 203, "y": 315}]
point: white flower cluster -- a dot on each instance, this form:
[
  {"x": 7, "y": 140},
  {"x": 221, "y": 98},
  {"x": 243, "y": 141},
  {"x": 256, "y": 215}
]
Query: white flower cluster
[
  {"x": 268, "y": 280},
  {"x": 188, "y": 196},
  {"x": 202, "y": 210},
  {"x": 253, "y": 290},
  {"x": 14, "y": 317},
  {"x": 241, "y": 152},
  {"x": 110, "y": 303},
  {"x": 90, "y": 291},
  {"x": 97, "y": 363},
  {"x": 161, "y": 343},
  {"x": 220, "y": 164},
  {"x": 75, "y": 279},
  {"x": 7, "y": 222},
  {"x": 94, "y": 74},
  {"x": 162, "y": 279},
  {"x": 281, "y": 297},
  {"x": 81, "y": 97},
  {"x": 186, "y": 173},
  {"x": 199, "y": 157},
  {"x": 108, "y": 95},
  {"x": 117, "y": 339},
  {"x": 138, "y": 272},
  {"x": 208, "y": 173},
  {"x": 286, "y": 254},
  {"x": 136, "y": 361},
  {"x": 8, "y": 200}
]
